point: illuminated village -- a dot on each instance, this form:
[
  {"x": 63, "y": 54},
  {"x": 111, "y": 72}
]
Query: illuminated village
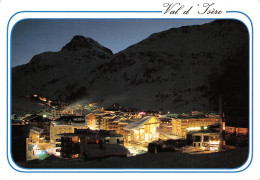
[
  {"x": 88, "y": 131},
  {"x": 179, "y": 98}
]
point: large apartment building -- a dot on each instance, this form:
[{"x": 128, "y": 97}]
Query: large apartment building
[
  {"x": 181, "y": 126},
  {"x": 66, "y": 125}
]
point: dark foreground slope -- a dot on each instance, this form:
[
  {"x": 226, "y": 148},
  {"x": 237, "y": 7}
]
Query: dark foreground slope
[{"x": 228, "y": 159}]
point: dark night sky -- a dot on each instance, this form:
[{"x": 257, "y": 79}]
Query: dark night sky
[{"x": 34, "y": 36}]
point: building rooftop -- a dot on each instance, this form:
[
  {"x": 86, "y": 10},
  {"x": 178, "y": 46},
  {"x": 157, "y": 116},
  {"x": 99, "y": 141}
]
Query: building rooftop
[
  {"x": 117, "y": 120},
  {"x": 80, "y": 132},
  {"x": 70, "y": 120},
  {"x": 92, "y": 133},
  {"x": 109, "y": 116},
  {"x": 193, "y": 117},
  {"x": 125, "y": 122},
  {"x": 137, "y": 124},
  {"x": 36, "y": 130},
  {"x": 164, "y": 119},
  {"x": 205, "y": 133}
]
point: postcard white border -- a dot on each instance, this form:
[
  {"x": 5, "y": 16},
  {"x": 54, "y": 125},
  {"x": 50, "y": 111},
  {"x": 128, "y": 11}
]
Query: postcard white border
[{"x": 124, "y": 15}]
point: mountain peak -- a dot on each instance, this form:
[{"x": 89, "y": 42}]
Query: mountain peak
[
  {"x": 79, "y": 37},
  {"x": 80, "y": 42}
]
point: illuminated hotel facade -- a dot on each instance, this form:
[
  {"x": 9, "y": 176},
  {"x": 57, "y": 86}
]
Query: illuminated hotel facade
[
  {"x": 143, "y": 130},
  {"x": 181, "y": 126}
]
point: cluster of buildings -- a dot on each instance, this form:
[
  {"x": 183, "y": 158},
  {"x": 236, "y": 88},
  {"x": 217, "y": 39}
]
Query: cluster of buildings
[
  {"x": 67, "y": 130},
  {"x": 66, "y": 124},
  {"x": 73, "y": 145},
  {"x": 184, "y": 124}
]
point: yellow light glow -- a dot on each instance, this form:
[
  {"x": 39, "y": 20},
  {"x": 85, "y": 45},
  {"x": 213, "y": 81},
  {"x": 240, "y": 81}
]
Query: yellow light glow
[
  {"x": 214, "y": 149},
  {"x": 193, "y": 128},
  {"x": 57, "y": 153},
  {"x": 43, "y": 99},
  {"x": 214, "y": 142},
  {"x": 146, "y": 137}
]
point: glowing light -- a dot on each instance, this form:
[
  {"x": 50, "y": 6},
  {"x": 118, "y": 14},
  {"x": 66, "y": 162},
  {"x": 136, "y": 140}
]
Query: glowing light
[
  {"x": 57, "y": 153},
  {"x": 157, "y": 135},
  {"x": 214, "y": 149},
  {"x": 43, "y": 99},
  {"x": 35, "y": 95},
  {"x": 39, "y": 153},
  {"x": 214, "y": 142},
  {"x": 193, "y": 128},
  {"x": 146, "y": 137},
  {"x": 35, "y": 146},
  {"x": 142, "y": 113}
]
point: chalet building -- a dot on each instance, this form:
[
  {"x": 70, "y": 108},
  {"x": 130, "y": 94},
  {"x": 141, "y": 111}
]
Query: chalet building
[
  {"x": 113, "y": 123},
  {"x": 106, "y": 121},
  {"x": 119, "y": 124},
  {"x": 143, "y": 130},
  {"x": 101, "y": 121}
]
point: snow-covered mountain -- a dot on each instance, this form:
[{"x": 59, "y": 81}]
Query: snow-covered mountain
[
  {"x": 179, "y": 69},
  {"x": 60, "y": 75}
]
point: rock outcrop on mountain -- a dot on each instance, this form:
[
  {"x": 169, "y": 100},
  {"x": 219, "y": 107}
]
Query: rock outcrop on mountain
[{"x": 180, "y": 69}]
